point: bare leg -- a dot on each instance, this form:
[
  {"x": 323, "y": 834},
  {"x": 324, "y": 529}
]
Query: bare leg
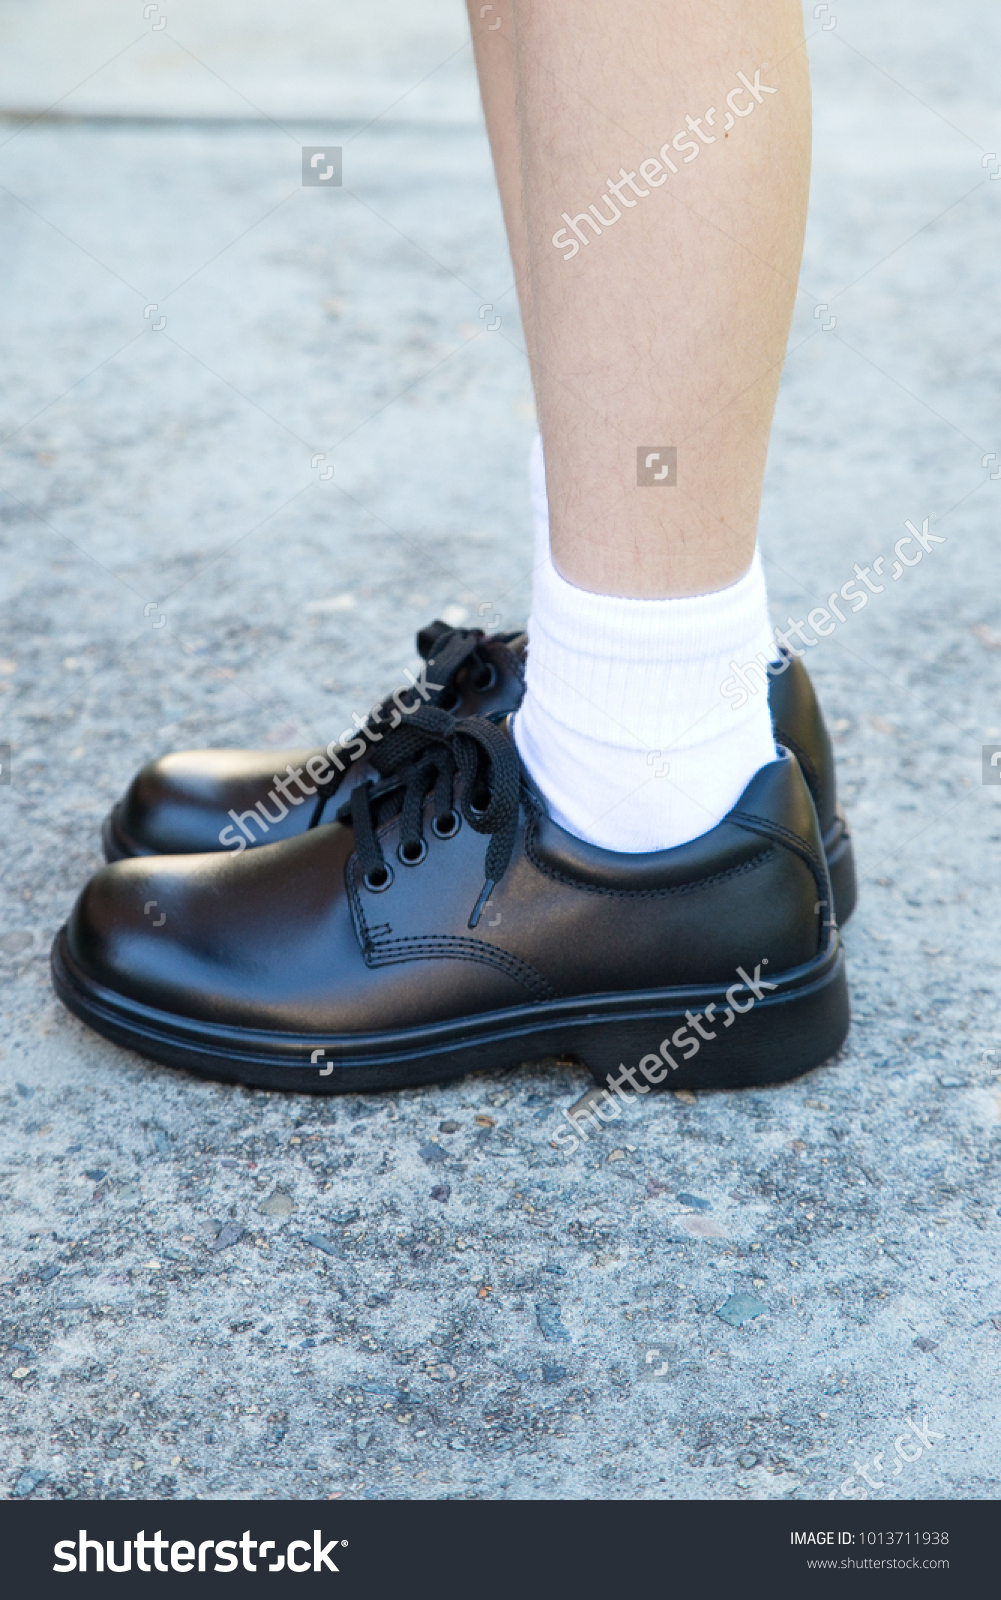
[
  {"x": 653, "y": 163},
  {"x": 493, "y": 47},
  {"x": 670, "y": 328}
]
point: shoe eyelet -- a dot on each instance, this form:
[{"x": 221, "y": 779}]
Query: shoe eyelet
[
  {"x": 409, "y": 860},
  {"x": 485, "y": 679},
  {"x": 477, "y": 811},
  {"x": 380, "y": 879},
  {"x": 446, "y": 826},
  {"x": 449, "y": 699}
]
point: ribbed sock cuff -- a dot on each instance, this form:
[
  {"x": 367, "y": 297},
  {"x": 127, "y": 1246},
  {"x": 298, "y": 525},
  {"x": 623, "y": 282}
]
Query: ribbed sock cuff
[{"x": 642, "y": 673}]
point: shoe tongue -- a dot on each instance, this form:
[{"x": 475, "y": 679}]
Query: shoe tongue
[{"x": 428, "y": 636}]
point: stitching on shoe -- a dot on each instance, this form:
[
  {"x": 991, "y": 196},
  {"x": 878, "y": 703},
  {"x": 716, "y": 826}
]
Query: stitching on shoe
[
  {"x": 385, "y": 952},
  {"x": 692, "y": 885},
  {"x": 452, "y": 946},
  {"x": 799, "y": 846},
  {"x": 795, "y": 841}
]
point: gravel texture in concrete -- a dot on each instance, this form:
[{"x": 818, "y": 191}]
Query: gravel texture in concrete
[{"x": 211, "y": 1292}]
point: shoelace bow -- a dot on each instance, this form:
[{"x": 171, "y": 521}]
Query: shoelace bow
[
  {"x": 446, "y": 651},
  {"x": 425, "y": 756}
]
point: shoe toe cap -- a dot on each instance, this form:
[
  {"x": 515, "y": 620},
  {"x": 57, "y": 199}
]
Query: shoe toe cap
[
  {"x": 220, "y": 937},
  {"x": 180, "y": 804},
  {"x": 117, "y": 933}
]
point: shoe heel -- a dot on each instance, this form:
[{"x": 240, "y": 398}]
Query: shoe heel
[{"x": 784, "y": 1034}]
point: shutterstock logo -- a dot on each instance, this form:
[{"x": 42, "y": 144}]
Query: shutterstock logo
[
  {"x": 656, "y": 466},
  {"x": 185, "y": 1555},
  {"x": 321, "y": 166}
]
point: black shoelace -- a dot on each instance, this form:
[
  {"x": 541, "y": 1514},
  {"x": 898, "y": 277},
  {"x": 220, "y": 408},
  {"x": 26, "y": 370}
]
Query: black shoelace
[
  {"x": 446, "y": 651},
  {"x": 425, "y": 756}
]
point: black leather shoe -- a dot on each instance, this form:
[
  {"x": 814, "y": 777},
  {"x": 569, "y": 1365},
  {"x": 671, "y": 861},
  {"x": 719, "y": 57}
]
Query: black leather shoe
[
  {"x": 445, "y": 923},
  {"x": 199, "y": 800},
  {"x": 799, "y": 725},
  {"x": 234, "y": 799}
]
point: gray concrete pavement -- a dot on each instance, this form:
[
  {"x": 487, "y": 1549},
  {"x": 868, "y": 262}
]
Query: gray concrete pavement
[
  {"x": 206, "y": 1291},
  {"x": 238, "y": 59}
]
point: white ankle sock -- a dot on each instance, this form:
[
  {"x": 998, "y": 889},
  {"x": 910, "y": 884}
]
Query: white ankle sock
[{"x": 623, "y": 726}]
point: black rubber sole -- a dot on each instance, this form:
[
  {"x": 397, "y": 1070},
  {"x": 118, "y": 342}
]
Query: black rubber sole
[{"x": 797, "y": 1025}]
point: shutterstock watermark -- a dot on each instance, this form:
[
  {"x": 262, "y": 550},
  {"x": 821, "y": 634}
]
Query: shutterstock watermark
[
  {"x": 353, "y": 745},
  {"x": 185, "y": 1555},
  {"x": 905, "y": 1453},
  {"x": 652, "y": 170},
  {"x": 321, "y": 166},
  {"x": 655, "y": 1066},
  {"x": 656, "y": 466},
  {"x": 741, "y": 685}
]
